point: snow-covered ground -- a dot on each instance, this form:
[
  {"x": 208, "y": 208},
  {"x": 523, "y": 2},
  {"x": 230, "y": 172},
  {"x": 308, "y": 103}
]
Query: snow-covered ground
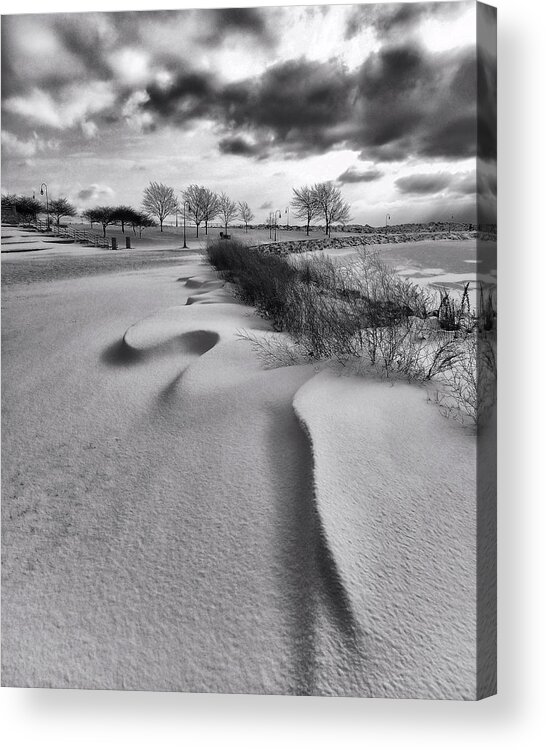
[{"x": 175, "y": 517}]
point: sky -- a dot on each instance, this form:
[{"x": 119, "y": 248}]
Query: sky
[{"x": 379, "y": 98}]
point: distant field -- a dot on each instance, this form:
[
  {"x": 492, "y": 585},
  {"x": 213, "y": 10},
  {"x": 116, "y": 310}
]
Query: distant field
[{"x": 175, "y": 234}]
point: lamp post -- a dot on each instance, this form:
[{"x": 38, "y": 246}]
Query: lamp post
[
  {"x": 184, "y": 215},
  {"x": 287, "y": 212},
  {"x": 387, "y": 218},
  {"x": 275, "y": 218},
  {"x": 270, "y": 223},
  {"x": 42, "y": 186},
  {"x": 189, "y": 209}
]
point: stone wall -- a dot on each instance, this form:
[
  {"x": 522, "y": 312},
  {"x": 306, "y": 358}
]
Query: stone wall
[{"x": 316, "y": 245}]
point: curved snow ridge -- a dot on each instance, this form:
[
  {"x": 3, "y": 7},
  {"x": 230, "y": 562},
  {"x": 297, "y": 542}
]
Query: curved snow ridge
[
  {"x": 208, "y": 291},
  {"x": 200, "y": 281},
  {"x": 338, "y": 596},
  {"x": 187, "y": 329},
  {"x": 395, "y": 493}
]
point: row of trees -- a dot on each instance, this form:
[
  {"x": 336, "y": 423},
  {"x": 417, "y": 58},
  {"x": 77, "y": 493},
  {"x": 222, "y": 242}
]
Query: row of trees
[
  {"x": 105, "y": 215},
  {"x": 29, "y": 208},
  {"x": 202, "y": 205},
  {"x": 323, "y": 200}
]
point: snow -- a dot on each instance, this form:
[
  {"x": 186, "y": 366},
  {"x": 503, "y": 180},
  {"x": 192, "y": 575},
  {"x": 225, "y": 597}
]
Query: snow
[
  {"x": 395, "y": 488},
  {"x": 178, "y": 518}
]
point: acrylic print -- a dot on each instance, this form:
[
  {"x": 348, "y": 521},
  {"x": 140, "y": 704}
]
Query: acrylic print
[{"x": 249, "y": 359}]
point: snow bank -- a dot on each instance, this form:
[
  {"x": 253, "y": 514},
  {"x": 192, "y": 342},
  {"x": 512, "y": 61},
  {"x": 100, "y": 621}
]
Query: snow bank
[
  {"x": 171, "y": 523},
  {"x": 395, "y": 489}
]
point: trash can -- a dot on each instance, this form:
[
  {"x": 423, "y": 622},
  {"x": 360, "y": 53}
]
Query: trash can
[
  {"x": 114, "y": 243},
  {"x": 128, "y": 243}
]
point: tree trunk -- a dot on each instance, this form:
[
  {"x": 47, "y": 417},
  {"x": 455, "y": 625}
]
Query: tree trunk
[
  {"x": 161, "y": 225},
  {"x": 104, "y": 230},
  {"x": 196, "y": 229},
  {"x": 123, "y": 227},
  {"x": 206, "y": 227},
  {"x": 308, "y": 222}
]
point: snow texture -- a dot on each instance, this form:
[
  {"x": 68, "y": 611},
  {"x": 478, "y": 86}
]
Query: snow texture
[{"x": 176, "y": 517}]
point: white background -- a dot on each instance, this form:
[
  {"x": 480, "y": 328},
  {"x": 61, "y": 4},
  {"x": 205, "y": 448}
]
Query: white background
[{"x": 515, "y": 718}]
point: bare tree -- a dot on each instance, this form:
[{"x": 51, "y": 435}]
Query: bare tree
[
  {"x": 304, "y": 204},
  {"x": 211, "y": 206},
  {"x": 330, "y": 204},
  {"x": 196, "y": 199},
  {"x": 159, "y": 201},
  {"x": 227, "y": 209},
  {"x": 245, "y": 212}
]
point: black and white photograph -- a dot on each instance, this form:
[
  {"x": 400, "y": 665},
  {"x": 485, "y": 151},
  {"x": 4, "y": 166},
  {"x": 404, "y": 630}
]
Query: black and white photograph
[{"x": 249, "y": 349}]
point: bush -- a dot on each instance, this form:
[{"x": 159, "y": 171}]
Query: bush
[
  {"x": 261, "y": 280},
  {"x": 363, "y": 313},
  {"x": 469, "y": 388},
  {"x": 453, "y": 313}
]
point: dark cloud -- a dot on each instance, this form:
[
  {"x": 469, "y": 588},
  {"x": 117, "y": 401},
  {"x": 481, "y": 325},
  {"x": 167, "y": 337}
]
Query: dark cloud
[
  {"x": 354, "y": 175},
  {"x": 189, "y": 96},
  {"x": 417, "y": 103},
  {"x": 265, "y": 205},
  {"x": 83, "y": 42},
  {"x": 296, "y": 106},
  {"x": 238, "y": 146},
  {"x": 424, "y": 184},
  {"x": 295, "y": 100},
  {"x": 404, "y": 101}
]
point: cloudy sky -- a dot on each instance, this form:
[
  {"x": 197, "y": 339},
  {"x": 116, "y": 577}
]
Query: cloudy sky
[{"x": 380, "y": 98}]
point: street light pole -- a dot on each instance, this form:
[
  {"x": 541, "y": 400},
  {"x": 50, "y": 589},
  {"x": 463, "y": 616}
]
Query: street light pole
[
  {"x": 270, "y": 223},
  {"x": 184, "y": 214},
  {"x": 42, "y": 186},
  {"x": 387, "y": 217},
  {"x": 184, "y": 245},
  {"x": 280, "y": 215}
]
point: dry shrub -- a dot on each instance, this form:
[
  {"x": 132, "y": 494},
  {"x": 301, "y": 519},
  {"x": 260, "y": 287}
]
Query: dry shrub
[
  {"x": 364, "y": 312},
  {"x": 468, "y": 391}
]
